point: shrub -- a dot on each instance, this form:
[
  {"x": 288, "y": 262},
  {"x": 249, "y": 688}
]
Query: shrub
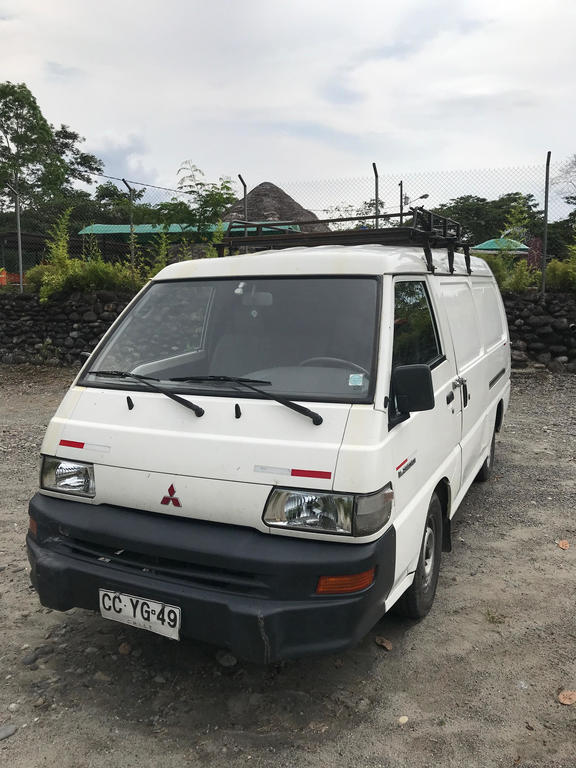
[
  {"x": 217, "y": 237},
  {"x": 100, "y": 275},
  {"x": 157, "y": 257},
  {"x": 561, "y": 275},
  {"x": 35, "y": 276},
  {"x": 62, "y": 275},
  {"x": 521, "y": 278}
]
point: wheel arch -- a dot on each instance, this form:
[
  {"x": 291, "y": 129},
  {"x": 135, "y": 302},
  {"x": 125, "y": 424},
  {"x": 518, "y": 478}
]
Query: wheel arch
[
  {"x": 444, "y": 493},
  {"x": 499, "y": 416}
]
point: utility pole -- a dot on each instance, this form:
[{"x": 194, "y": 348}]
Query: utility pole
[
  {"x": 401, "y": 185},
  {"x": 16, "y": 194}
]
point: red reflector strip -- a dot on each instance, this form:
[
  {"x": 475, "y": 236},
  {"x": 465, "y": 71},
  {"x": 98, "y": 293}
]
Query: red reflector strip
[
  {"x": 71, "y": 444},
  {"x": 311, "y": 473},
  {"x": 401, "y": 465},
  {"x": 338, "y": 585}
]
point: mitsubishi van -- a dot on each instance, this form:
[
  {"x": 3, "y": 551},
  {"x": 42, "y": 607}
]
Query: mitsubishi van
[{"x": 266, "y": 450}]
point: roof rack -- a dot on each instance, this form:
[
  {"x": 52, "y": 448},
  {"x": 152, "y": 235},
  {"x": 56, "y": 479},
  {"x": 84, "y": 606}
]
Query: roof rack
[{"x": 427, "y": 229}]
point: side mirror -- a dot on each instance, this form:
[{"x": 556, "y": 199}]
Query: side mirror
[{"x": 412, "y": 388}]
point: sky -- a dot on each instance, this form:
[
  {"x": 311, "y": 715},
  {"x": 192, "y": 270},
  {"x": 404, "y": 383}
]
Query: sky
[{"x": 300, "y": 89}]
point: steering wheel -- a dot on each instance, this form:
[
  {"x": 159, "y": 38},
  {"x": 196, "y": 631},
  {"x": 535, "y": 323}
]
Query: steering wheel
[{"x": 334, "y": 361}]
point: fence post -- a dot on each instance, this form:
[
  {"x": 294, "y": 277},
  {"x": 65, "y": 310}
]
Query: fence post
[
  {"x": 401, "y": 185},
  {"x": 132, "y": 249},
  {"x": 16, "y": 194},
  {"x": 245, "y": 188},
  {"x": 545, "y": 238},
  {"x": 376, "y": 197}
]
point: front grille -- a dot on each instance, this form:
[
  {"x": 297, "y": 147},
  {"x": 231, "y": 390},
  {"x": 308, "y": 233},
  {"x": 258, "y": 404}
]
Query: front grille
[{"x": 176, "y": 571}]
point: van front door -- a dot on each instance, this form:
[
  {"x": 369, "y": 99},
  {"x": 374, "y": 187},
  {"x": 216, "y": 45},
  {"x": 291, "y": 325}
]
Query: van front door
[{"x": 426, "y": 446}]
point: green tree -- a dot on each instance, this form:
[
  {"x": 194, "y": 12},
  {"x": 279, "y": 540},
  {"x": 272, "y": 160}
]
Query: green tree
[
  {"x": 67, "y": 163},
  {"x": 483, "y": 219},
  {"x": 26, "y": 140},
  {"x": 40, "y": 161},
  {"x": 517, "y": 222},
  {"x": 205, "y": 203}
]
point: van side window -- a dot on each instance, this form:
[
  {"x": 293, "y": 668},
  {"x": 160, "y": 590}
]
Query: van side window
[{"x": 415, "y": 337}]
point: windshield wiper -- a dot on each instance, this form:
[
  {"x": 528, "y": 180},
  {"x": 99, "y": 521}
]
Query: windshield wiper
[
  {"x": 147, "y": 380},
  {"x": 229, "y": 379},
  {"x": 249, "y": 384}
]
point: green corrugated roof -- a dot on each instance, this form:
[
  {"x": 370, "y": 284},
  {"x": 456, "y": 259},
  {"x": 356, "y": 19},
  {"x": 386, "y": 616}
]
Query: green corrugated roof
[
  {"x": 148, "y": 230},
  {"x": 501, "y": 244}
]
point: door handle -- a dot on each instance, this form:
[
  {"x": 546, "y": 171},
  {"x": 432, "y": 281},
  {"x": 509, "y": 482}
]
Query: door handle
[
  {"x": 449, "y": 398},
  {"x": 458, "y": 382}
]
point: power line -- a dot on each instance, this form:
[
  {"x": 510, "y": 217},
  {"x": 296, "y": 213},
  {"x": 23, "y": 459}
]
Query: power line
[{"x": 142, "y": 184}]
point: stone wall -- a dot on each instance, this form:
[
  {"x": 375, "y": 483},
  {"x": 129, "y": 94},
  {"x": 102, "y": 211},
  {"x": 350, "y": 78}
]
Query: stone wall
[
  {"x": 55, "y": 333},
  {"x": 543, "y": 333}
]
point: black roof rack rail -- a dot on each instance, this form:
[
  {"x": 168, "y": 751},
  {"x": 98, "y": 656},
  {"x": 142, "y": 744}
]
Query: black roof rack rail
[{"x": 427, "y": 229}]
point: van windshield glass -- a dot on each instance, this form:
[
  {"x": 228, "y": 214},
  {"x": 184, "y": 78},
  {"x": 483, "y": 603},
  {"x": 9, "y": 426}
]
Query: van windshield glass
[{"x": 310, "y": 337}]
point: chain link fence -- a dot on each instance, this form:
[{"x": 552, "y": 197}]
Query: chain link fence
[
  {"x": 119, "y": 215},
  {"x": 438, "y": 188}
]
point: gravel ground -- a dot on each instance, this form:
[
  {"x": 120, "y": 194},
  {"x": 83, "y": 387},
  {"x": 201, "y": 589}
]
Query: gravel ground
[{"x": 474, "y": 684}]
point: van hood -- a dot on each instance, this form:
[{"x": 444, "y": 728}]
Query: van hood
[{"x": 260, "y": 442}]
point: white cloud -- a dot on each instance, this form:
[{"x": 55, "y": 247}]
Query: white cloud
[{"x": 300, "y": 89}]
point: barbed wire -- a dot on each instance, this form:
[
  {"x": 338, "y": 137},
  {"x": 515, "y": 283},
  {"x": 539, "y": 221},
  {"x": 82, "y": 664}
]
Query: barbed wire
[{"x": 123, "y": 180}]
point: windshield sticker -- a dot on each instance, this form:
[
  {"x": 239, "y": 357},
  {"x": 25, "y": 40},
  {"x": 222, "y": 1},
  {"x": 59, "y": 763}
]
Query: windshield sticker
[{"x": 356, "y": 380}]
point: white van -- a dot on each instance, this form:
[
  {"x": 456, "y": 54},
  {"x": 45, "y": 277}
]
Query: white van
[{"x": 265, "y": 451}]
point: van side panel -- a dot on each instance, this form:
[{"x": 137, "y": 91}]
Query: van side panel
[
  {"x": 471, "y": 394},
  {"x": 482, "y": 352}
]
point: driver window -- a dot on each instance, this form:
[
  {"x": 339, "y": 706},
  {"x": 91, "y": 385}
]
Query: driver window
[{"x": 415, "y": 336}]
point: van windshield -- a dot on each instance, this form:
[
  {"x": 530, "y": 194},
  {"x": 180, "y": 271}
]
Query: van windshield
[{"x": 311, "y": 338}]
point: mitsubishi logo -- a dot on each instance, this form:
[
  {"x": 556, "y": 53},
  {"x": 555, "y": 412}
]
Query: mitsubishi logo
[{"x": 171, "y": 498}]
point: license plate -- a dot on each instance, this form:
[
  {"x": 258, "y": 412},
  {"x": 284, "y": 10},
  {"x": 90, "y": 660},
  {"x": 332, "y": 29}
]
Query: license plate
[{"x": 140, "y": 612}]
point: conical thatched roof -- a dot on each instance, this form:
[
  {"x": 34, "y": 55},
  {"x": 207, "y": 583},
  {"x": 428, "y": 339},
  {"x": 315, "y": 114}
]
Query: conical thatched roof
[{"x": 267, "y": 202}]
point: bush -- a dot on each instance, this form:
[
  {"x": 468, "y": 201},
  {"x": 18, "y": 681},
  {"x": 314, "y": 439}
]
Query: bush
[
  {"x": 561, "y": 275},
  {"x": 62, "y": 275},
  {"x": 521, "y": 278},
  {"x": 83, "y": 277},
  {"x": 513, "y": 274},
  {"x": 35, "y": 276}
]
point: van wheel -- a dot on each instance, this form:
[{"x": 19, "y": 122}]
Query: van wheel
[
  {"x": 486, "y": 468},
  {"x": 418, "y": 598}
]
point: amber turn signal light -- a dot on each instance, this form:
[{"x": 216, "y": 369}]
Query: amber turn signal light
[
  {"x": 33, "y": 527},
  {"x": 341, "y": 585}
]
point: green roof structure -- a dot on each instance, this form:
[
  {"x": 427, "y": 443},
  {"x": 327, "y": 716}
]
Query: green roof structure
[
  {"x": 501, "y": 244},
  {"x": 145, "y": 232}
]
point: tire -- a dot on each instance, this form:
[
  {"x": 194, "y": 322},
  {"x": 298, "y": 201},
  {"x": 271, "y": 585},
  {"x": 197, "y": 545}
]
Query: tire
[
  {"x": 486, "y": 469},
  {"x": 416, "y": 602}
]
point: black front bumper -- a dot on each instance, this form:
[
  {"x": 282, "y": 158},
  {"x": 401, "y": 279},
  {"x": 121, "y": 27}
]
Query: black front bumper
[{"x": 251, "y": 592}]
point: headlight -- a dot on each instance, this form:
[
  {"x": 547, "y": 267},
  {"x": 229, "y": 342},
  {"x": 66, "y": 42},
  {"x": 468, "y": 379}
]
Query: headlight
[
  {"x": 66, "y": 476},
  {"x": 352, "y": 515},
  {"x": 322, "y": 512}
]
